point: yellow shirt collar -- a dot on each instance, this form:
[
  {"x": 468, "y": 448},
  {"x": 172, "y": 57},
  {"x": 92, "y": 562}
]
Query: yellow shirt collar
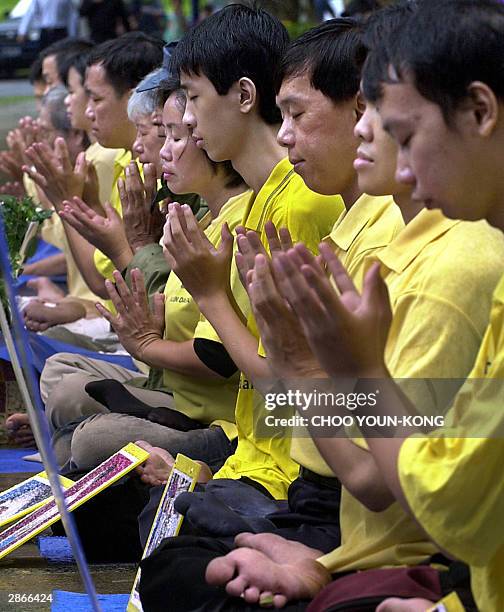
[
  {"x": 417, "y": 234},
  {"x": 276, "y": 183},
  {"x": 353, "y": 221}
]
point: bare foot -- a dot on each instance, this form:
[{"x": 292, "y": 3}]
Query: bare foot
[
  {"x": 252, "y": 575},
  {"x": 394, "y": 604},
  {"x": 46, "y": 289},
  {"x": 157, "y": 467},
  {"x": 19, "y": 430},
  {"x": 38, "y": 316},
  {"x": 276, "y": 548}
]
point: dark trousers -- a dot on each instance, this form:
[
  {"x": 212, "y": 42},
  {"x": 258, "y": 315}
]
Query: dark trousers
[
  {"x": 173, "y": 578},
  {"x": 175, "y": 571}
]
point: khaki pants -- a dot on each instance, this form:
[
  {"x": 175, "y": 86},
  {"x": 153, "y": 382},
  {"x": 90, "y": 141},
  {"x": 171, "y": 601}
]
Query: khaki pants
[{"x": 103, "y": 433}]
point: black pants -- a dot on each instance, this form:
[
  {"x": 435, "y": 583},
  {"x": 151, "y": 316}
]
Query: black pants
[
  {"x": 173, "y": 578},
  {"x": 175, "y": 571}
]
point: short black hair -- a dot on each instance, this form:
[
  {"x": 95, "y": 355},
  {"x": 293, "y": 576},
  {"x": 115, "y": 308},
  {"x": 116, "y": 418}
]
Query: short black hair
[
  {"x": 64, "y": 49},
  {"x": 66, "y": 59},
  {"x": 78, "y": 61},
  {"x": 36, "y": 71},
  {"x": 444, "y": 46},
  {"x": 360, "y": 7},
  {"x": 127, "y": 59},
  {"x": 172, "y": 86},
  {"x": 332, "y": 54},
  {"x": 383, "y": 29},
  {"x": 237, "y": 41}
]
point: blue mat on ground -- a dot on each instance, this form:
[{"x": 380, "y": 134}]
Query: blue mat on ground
[
  {"x": 79, "y": 602},
  {"x": 11, "y": 460},
  {"x": 42, "y": 348},
  {"x": 55, "y": 549}
]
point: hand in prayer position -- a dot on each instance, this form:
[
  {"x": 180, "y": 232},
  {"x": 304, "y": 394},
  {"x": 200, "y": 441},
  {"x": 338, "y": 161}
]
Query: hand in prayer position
[
  {"x": 143, "y": 222},
  {"x": 106, "y": 233},
  {"x": 346, "y": 332},
  {"x": 202, "y": 268},
  {"x": 136, "y": 325},
  {"x": 53, "y": 172}
]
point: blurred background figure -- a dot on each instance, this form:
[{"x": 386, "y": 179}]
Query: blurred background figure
[
  {"x": 106, "y": 18},
  {"x": 149, "y": 16},
  {"x": 57, "y": 19},
  {"x": 321, "y": 7},
  {"x": 361, "y": 7},
  {"x": 207, "y": 10}
]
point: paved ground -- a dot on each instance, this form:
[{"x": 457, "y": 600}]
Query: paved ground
[
  {"x": 11, "y": 113},
  {"x": 25, "y": 572}
]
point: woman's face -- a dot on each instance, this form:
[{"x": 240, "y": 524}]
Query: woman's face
[
  {"x": 376, "y": 158},
  {"x": 76, "y": 102},
  {"x": 185, "y": 167},
  {"x": 150, "y": 136}
]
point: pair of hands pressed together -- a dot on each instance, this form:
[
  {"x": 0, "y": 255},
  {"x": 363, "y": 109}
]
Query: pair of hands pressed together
[
  {"x": 120, "y": 237},
  {"x": 290, "y": 293}
]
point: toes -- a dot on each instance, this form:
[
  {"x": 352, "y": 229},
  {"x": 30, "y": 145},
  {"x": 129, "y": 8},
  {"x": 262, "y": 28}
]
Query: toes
[
  {"x": 251, "y": 594},
  {"x": 220, "y": 571}
]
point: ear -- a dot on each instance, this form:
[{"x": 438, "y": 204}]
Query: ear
[
  {"x": 484, "y": 108},
  {"x": 360, "y": 106},
  {"x": 248, "y": 95}
]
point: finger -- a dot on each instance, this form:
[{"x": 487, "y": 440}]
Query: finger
[
  {"x": 80, "y": 206},
  {"x": 36, "y": 177},
  {"x": 158, "y": 307},
  {"x": 193, "y": 231},
  {"x": 81, "y": 166},
  {"x": 375, "y": 293},
  {"x": 150, "y": 181},
  {"x": 177, "y": 238},
  {"x": 227, "y": 241},
  {"x": 105, "y": 312},
  {"x": 285, "y": 239},
  {"x": 123, "y": 290},
  {"x": 272, "y": 236},
  {"x": 63, "y": 155},
  {"x": 123, "y": 196},
  {"x": 330, "y": 302},
  {"x": 255, "y": 243},
  {"x": 294, "y": 286},
  {"x": 337, "y": 270},
  {"x": 116, "y": 299},
  {"x": 243, "y": 269},
  {"x": 138, "y": 287}
]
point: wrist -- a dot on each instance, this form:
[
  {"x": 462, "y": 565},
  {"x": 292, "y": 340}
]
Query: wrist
[
  {"x": 216, "y": 301},
  {"x": 147, "y": 352},
  {"x": 122, "y": 259}
]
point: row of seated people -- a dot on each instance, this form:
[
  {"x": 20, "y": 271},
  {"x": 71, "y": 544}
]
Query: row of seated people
[{"x": 230, "y": 309}]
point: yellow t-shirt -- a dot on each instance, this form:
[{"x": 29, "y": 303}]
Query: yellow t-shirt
[
  {"x": 452, "y": 479},
  {"x": 102, "y": 263},
  {"x": 208, "y": 400},
  {"x": 370, "y": 224},
  {"x": 440, "y": 294},
  {"x": 104, "y": 161},
  {"x": 285, "y": 200}
]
